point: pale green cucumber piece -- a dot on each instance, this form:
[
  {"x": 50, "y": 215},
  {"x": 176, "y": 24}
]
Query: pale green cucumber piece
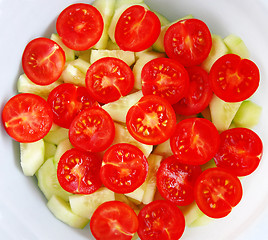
[
  {"x": 209, "y": 164},
  {"x": 72, "y": 74},
  {"x": 218, "y": 49},
  {"x": 32, "y": 156},
  {"x": 222, "y": 113},
  {"x": 112, "y": 45},
  {"x": 81, "y": 65},
  {"x": 63, "y": 146},
  {"x": 50, "y": 150},
  {"x": 48, "y": 181},
  {"x": 237, "y": 46},
  {"x": 191, "y": 213},
  {"x": 248, "y": 115},
  {"x": 137, "y": 195},
  {"x": 57, "y": 136},
  {"x": 120, "y": 3},
  {"x": 85, "y": 205},
  {"x": 84, "y": 55},
  {"x": 123, "y": 198},
  {"x": 201, "y": 221},
  {"x": 62, "y": 211},
  {"x": 69, "y": 53},
  {"x": 127, "y": 56},
  {"x": 163, "y": 149},
  {"x": 163, "y": 20}
]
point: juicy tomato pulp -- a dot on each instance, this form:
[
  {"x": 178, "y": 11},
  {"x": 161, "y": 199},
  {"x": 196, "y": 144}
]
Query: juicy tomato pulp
[
  {"x": 79, "y": 171},
  {"x": 124, "y": 168},
  {"x": 217, "y": 191},
  {"x": 166, "y": 78},
  {"x": 175, "y": 181},
  {"x": 152, "y": 120},
  {"x": 188, "y": 41},
  {"x": 92, "y": 130},
  {"x": 114, "y": 220},
  {"x": 27, "y": 117},
  {"x": 198, "y": 95},
  {"x": 137, "y": 29},
  {"x": 234, "y": 79},
  {"x": 108, "y": 79},
  {"x": 240, "y": 151},
  {"x": 80, "y": 26},
  {"x": 160, "y": 220},
  {"x": 195, "y": 141},
  {"x": 66, "y": 101},
  {"x": 43, "y": 61}
]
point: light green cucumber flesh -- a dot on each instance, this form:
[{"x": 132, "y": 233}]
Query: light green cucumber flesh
[
  {"x": 236, "y": 45},
  {"x": 57, "y": 136},
  {"x": 50, "y": 150},
  {"x": 62, "y": 147}
]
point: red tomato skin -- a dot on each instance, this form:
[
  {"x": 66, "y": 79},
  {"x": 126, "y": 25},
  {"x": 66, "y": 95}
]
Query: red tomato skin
[
  {"x": 27, "y": 117},
  {"x": 240, "y": 151},
  {"x": 188, "y": 41},
  {"x": 137, "y": 37},
  {"x": 43, "y": 61}
]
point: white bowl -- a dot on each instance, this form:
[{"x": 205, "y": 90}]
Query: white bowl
[{"x": 23, "y": 211}]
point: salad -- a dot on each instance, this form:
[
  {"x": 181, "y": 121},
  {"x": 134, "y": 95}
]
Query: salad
[{"x": 66, "y": 122}]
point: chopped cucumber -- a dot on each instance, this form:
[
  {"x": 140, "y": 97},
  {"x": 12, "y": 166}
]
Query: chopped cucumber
[
  {"x": 56, "y": 136},
  {"x": 163, "y": 20},
  {"x": 201, "y": 221},
  {"x": 81, "y": 64},
  {"x": 63, "y": 146},
  {"x": 137, "y": 195},
  {"x": 84, "y": 55},
  {"x": 63, "y": 212},
  {"x": 123, "y": 198},
  {"x": 112, "y": 46},
  {"x": 236, "y": 45},
  {"x": 191, "y": 213},
  {"x": 72, "y": 74},
  {"x": 163, "y": 149},
  {"x": 50, "y": 150}
]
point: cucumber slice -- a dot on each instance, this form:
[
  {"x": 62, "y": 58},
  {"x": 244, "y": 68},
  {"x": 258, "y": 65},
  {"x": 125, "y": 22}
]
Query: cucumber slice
[
  {"x": 137, "y": 195},
  {"x": 57, "y": 136},
  {"x": 237, "y": 46},
  {"x": 123, "y": 198},
  {"x": 50, "y": 150},
  {"x": 81, "y": 64},
  {"x": 112, "y": 46},
  {"x": 63, "y": 146},
  {"x": 191, "y": 213},
  {"x": 163, "y": 149},
  {"x": 63, "y": 212},
  {"x": 32, "y": 156},
  {"x": 163, "y": 20},
  {"x": 72, "y": 74}
]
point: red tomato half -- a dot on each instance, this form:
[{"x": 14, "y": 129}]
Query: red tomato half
[
  {"x": 234, "y": 79},
  {"x": 240, "y": 151},
  {"x": 92, "y": 130},
  {"x": 124, "y": 168},
  {"x": 137, "y": 29},
  {"x": 66, "y": 101},
  {"x": 79, "y": 171},
  {"x": 108, "y": 79},
  {"x": 152, "y": 120},
  {"x": 80, "y": 26},
  {"x": 160, "y": 220},
  {"x": 188, "y": 41},
  {"x": 175, "y": 181},
  {"x": 217, "y": 191},
  {"x": 198, "y": 95},
  {"x": 114, "y": 220},
  {"x": 165, "y": 77},
  {"x": 27, "y": 117},
  {"x": 195, "y": 141},
  {"x": 43, "y": 61}
]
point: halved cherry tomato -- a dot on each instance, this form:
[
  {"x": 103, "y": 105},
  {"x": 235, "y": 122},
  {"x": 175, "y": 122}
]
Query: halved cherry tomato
[
  {"x": 175, "y": 180},
  {"x": 27, "y": 117},
  {"x": 234, "y": 79},
  {"x": 217, "y": 191},
  {"x": 240, "y": 151},
  {"x": 198, "y": 95},
  {"x": 151, "y": 120},
  {"x": 165, "y": 77},
  {"x": 124, "y": 168},
  {"x": 188, "y": 41},
  {"x": 108, "y": 79},
  {"x": 80, "y": 26},
  {"x": 66, "y": 101},
  {"x": 43, "y": 61},
  {"x": 160, "y": 220},
  {"x": 79, "y": 171},
  {"x": 137, "y": 29},
  {"x": 114, "y": 220},
  {"x": 92, "y": 130},
  {"x": 195, "y": 141}
]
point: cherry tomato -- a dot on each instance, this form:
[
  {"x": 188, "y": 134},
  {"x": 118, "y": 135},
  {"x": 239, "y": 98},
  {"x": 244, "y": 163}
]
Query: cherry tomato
[
  {"x": 27, "y": 117},
  {"x": 217, "y": 191},
  {"x": 175, "y": 180},
  {"x": 160, "y": 220},
  {"x": 114, "y": 220},
  {"x": 92, "y": 130},
  {"x": 152, "y": 120},
  {"x": 80, "y": 26},
  {"x": 108, "y": 79},
  {"x": 188, "y": 41},
  {"x": 124, "y": 168},
  {"x": 66, "y": 101},
  {"x": 79, "y": 171},
  {"x": 43, "y": 61},
  {"x": 137, "y": 29},
  {"x": 198, "y": 95},
  {"x": 195, "y": 141},
  {"x": 166, "y": 78},
  {"x": 240, "y": 151},
  {"x": 234, "y": 79}
]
